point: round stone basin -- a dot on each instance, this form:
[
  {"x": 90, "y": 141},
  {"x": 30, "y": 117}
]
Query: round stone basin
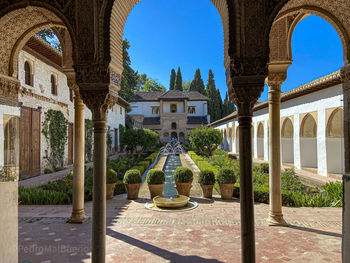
[{"x": 172, "y": 202}]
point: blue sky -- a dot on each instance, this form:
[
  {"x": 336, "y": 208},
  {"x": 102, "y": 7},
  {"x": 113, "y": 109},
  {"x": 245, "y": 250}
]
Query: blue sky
[{"x": 167, "y": 34}]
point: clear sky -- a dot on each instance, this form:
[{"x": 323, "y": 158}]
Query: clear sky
[{"x": 167, "y": 34}]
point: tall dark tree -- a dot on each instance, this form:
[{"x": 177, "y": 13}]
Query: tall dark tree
[
  {"x": 129, "y": 80},
  {"x": 197, "y": 83},
  {"x": 212, "y": 95},
  {"x": 172, "y": 79},
  {"x": 226, "y": 106},
  {"x": 219, "y": 104},
  {"x": 178, "y": 80}
]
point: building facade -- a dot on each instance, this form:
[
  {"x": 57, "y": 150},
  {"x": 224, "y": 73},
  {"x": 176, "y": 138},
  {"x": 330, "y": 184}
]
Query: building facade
[
  {"x": 172, "y": 114},
  {"x": 311, "y": 127},
  {"x": 43, "y": 87}
]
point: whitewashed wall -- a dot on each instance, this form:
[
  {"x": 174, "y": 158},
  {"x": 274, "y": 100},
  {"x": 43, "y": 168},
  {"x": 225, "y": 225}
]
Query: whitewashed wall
[
  {"x": 144, "y": 108},
  {"x": 180, "y": 106},
  {"x": 325, "y": 154}
]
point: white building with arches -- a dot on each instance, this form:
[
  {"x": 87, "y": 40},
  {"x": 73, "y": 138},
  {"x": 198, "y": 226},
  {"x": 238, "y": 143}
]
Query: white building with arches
[{"x": 311, "y": 127}]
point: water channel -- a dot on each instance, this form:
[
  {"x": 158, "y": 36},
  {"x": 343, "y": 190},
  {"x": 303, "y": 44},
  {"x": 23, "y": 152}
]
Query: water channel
[{"x": 172, "y": 162}]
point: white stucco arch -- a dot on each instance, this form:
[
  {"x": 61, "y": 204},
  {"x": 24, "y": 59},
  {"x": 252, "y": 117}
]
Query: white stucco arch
[
  {"x": 287, "y": 141},
  {"x": 260, "y": 140},
  {"x": 308, "y": 142}
]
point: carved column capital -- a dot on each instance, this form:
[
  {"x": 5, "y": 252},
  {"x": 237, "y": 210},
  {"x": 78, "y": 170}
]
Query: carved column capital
[
  {"x": 99, "y": 101},
  {"x": 9, "y": 89},
  {"x": 245, "y": 81}
]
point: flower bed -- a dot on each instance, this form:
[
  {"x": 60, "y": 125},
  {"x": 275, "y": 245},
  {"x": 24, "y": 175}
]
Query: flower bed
[{"x": 294, "y": 192}]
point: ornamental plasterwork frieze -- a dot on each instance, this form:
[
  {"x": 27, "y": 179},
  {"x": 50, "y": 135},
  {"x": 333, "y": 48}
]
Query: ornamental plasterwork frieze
[{"x": 9, "y": 87}]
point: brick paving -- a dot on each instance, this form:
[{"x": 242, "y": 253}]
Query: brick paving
[{"x": 209, "y": 233}]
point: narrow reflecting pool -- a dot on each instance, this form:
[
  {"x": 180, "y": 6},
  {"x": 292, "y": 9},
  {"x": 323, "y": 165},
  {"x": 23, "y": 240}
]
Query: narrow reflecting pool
[{"x": 172, "y": 162}]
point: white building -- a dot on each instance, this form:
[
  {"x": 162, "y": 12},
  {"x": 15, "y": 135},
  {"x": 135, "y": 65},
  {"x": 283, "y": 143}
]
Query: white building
[
  {"x": 173, "y": 114},
  {"x": 44, "y": 87},
  {"x": 311, "y": 127}
]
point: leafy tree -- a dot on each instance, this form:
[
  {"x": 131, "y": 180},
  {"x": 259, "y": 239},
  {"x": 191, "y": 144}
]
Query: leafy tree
[
  {"x": 129, "y": 80},
  {"x": 109, "y": 141},
  {"x": 186, "y": 85},
  {"x": 197, "y": 83},
  {"x": 148, "y": 84},
  {"x": 205, "y": 140},
  {"x": 178, "y": 80},
  {"x": 146, "y": 139},
  {"x": 55, "y": 131},
  {"x": 172, "y": 79},
  {"x": 50, "y": 37}
]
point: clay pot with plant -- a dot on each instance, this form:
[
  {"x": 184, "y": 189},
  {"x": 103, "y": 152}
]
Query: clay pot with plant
[
  {"x": 111, "y": 179},
  {"x": 183, "y": 179},
  {"x": 132, "y": 180},
  {"x": 155, "y": 181},
  {"x": 226, "y": 179},
  {"x": 206, "y": 179}
]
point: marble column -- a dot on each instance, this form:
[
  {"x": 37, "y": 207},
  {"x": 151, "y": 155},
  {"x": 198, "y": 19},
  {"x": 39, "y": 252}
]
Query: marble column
[
  {"x": 275, "y": 81},
  {"x": 345, "y": 74},
  {"x": 78, "y": 213}
]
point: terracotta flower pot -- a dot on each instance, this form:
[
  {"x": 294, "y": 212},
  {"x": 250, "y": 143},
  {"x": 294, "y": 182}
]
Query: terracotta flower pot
[
  {"x": 226, "y": 191},
  {"x": 110, "y": 191},
  {"x": 155, "y": 189},
  {"x": 207, "y": 190},
  {"x": 183, "y": 188},
  {"x": 132, "y": 190}
]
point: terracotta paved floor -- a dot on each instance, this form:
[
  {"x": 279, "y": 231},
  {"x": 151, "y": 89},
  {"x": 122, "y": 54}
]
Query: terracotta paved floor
[{"x": 209, "y": 233}]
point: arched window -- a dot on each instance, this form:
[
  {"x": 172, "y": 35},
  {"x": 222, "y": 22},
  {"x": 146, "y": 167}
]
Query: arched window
[
  {"x": 53, "y": 85},
  {"x": 27, "y": 74},
  {"x": 173, "y": 126}
]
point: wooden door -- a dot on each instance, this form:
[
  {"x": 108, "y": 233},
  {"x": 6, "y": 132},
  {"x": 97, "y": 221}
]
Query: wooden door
[
  {"x": 70, "y": 143},
  {"x": 30, "y": 133}
]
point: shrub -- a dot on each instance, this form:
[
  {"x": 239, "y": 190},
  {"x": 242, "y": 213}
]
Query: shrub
[
  {"x": 290, "y": 181},
  {"x": 264, "y": 168},
  {"x": 206, "y": 177},
  {"x": 144, "y": 163},
  {"x": 132, "y": 177},
  {"x": 48, "y": 171},
  {"x": 112, "y": 176},
  {"x": 183, "y": 175},
  {"x": 141, "y": 169},
  {"x": 155, "y": 176},
  {"x": 334, "y": 191},
  {"x": 219, "y": 152},
  {"x": 119, "y": 187},
  {"x": 226, "y": 176},
  {"x": 38, "y": 196}
]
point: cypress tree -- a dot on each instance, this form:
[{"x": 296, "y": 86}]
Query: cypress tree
[
  {"x": 172, "y": 80},
  {"x": 178, "y": 80},
  {"x": 198, "y": 83},
  {"x": 212, "y": 95},
  {"x": 219, "y": 104}
]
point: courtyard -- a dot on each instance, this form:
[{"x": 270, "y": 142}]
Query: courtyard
[{"x": 209, "y": 233}]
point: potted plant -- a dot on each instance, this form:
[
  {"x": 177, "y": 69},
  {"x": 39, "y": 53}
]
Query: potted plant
[
  {"x": 132, "y": 180},
  {"x": 111, "y": 179},
  {"x": 155, "y": 181},
  {"x": 206, "y": 179},
  {"x": 183, "y": 179},
  {"x": 226, "y": 179}
]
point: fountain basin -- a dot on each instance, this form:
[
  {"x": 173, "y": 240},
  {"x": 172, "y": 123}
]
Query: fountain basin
[{"x": 172, "y": 202}]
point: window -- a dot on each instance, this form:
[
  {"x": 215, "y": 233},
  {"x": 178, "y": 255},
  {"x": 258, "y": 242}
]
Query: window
[
  {"x": 191, "y": 110},
  {"x": 173, "y": 108},
  {"x": 71, "y": 95},
  {"x": 173, "y": 126},
  {"x": 121, "y": 111},
  {"x": 53, "y": 85},
  {"x": 27, "y": 74},
  {"x": 155, "y": 110}
]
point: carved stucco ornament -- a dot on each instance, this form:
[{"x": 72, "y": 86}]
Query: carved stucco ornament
[{"x": 9, "y": 87}]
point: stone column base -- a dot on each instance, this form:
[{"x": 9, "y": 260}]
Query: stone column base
[
  {"x": 78, "y": 217},
  {"x": 276, "y": 220}
]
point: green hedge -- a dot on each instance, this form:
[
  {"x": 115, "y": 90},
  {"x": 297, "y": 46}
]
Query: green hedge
[
  {"x": 145, "y": 164},
  {"x": 38, "y": 196}
]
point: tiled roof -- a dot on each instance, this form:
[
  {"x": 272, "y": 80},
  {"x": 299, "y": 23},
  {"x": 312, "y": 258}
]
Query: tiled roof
[
  {"x": 151, "y": 120},
  {"x": 313, "y": 86},
  {"x": 167, "y": 95},
  {"x": 197, "y": 120}
]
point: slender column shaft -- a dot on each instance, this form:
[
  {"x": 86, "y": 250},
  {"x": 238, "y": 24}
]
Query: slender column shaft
[
  {"x": 275, "y": 215},
  {"x": 78, "y": 214},
  {"x": 246, "y": 189},
  {"x": 99, "y": 190}
]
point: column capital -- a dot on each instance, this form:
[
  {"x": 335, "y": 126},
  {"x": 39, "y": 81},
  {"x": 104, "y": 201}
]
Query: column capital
[
  {"x": 345, "y": 74},
  {"x": 245, "y": 77},
  {"x": 9, "y": 89}
]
